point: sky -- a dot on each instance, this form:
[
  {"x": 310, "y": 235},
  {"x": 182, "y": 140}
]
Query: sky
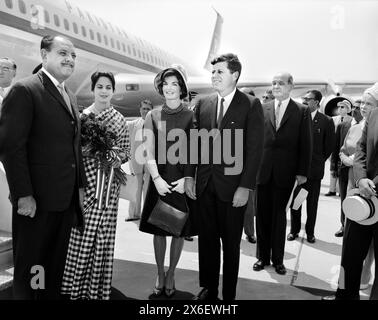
[{"x": 314, "y": 40}]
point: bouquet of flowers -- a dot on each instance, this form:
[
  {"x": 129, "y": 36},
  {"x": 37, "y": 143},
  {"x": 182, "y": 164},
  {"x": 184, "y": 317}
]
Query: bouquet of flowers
[{"x": 99, "y": 142}]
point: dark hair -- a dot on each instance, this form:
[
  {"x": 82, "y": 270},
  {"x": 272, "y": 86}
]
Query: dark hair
[
  {"x": 47, "y": 41},
  {"x": 11, "y": 61},
  {"x": 97, "y": 75},
  {"x": 317, "y": 95},
  {"x": 233, "y": 63},
  {"x": 147, "y": 102},
  {"x": 172, "y": 72},
  {"x": 37, "y": 68}
]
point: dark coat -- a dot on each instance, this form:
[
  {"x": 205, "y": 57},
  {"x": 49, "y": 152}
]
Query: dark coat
[
  {"x": 40, "y": 144},
  {"x": 323, "y": 135},
  {"x": 244, "y": 116},
  {"x": 288, "y": 151}
]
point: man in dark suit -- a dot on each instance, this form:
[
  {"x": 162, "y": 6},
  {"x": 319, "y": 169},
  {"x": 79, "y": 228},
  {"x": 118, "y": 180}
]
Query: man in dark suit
[
  {"x": 222, "y": 186},
  {"x": 323, "y": 137},
  {"x": 286, "y": 157},
  {"x": 337, "y": 166},
  {"x": 358, "y": 237},
  {"x": 40, "y": 149}
]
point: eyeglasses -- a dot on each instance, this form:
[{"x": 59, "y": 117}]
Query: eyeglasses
[
  {"x": 356, "y": 108},
  {"x": 307, "y": 99}
]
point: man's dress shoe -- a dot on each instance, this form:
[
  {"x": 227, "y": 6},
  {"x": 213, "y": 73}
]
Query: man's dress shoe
[
  {"x": 292, "y": 236},
  {"x": 259, "y": 265},
  {"x": 205, "y": 295},
  {"x": 280, "y": 269},
  {"x": 251, "y": 239},
  {"x": 329, "y": 298},
  {"x": 330, "y": 194},
  {"x": 311, "y": 239},
  {"x": 340, "y": 232}
]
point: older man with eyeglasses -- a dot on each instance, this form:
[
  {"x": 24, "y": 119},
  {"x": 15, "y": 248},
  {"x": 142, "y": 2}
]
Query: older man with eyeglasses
[{"x": 8, "y": 70}]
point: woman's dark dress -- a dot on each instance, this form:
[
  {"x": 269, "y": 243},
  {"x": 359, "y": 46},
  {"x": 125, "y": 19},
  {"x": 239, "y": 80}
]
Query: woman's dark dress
[{"x": 180, "y": 118}]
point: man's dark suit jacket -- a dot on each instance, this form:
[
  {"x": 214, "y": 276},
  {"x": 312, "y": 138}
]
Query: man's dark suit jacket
[
  {"x": 287, "y": 152},
  {"x": 244, "y": 113},
  {"x": 365, "y": 163},
  {"x": 40, "y": 144},
  {"x": 341, "y": 132},
  {"x": 323, "y": 133}
]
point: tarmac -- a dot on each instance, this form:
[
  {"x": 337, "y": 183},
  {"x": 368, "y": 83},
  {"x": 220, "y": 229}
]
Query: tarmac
[{"x": 312, "y": 269}]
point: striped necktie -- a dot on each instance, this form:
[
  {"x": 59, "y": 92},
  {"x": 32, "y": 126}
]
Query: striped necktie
[
  {"x": 65, "y": 96},
  {"x": 277, "y": 114}
]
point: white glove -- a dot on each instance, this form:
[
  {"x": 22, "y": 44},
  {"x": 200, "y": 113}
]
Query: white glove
[
  {"x": 179, "y": 185},
  {"x": 162, "y": 186}
]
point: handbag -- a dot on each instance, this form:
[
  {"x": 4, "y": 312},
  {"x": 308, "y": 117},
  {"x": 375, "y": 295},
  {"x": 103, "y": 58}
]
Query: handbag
[
  {"x": 129, "y": 190},
  {"x": 168, "y": 218}
]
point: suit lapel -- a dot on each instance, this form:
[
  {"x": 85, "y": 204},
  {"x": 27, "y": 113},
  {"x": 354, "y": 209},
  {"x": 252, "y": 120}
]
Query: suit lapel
[
  {"x": 212, "y": 110},
  {"x": 50, "y": 87},
  {"x": 270, "y": 111},
  {"x": 231, "y": 109},
  {"x": 289, "y": 110}
]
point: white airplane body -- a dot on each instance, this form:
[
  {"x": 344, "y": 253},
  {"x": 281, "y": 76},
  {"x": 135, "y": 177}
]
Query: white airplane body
[{"x": 103, "y": 46}]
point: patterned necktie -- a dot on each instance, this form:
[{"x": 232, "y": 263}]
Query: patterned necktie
[
  {"x": 342, "y": 119},
  {"x": 220, "y": 115},
  {"x": 277, "y": 114},
  {"x": 65, "y": 96}
]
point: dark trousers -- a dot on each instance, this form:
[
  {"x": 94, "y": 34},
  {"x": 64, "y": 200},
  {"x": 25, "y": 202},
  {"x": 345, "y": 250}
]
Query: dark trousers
[
  {"x": 249, "y": 215},
  {"x": 313, "y": 188},
  {"x": 356, "y": 243},
  {"x": 343, "y": 186},
  {"x": 40, "y": 241},
  {"x": 219, "y": 220},
  {"x": 271, "y": 221}
]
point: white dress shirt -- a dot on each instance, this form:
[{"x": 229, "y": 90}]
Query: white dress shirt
[
  {"x": 54, "y": 81},
  {"x": 313, "y": 114},
  {"x": 226, "y": 103},
  {"x": 283, "y": 107}
]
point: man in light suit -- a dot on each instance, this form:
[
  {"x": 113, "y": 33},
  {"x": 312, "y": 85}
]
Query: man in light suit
[
  {"x": 135, "y": 129},
  {"x": 286, "y": 158},
  {"x": 323, "y": 134},
  {"x": 8, "y": 69},
  {"x": 222, "y": 192},
  {"x": 40, "y": 149}
]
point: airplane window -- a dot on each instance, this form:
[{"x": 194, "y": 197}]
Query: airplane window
[
  {"x": 47, "y": 16},
  {"x": 148, "y": 57},
  {"x": 123, "y": 47},
  {"x": 9, "y": 4},
  {"x": 91, "y": 34},
  {"x": 144, "y": 56},
  {"x": 76, "y": 30},
  {"x": 66, "y": 25},
  {"x": 106, "y": 40},
  {"x": 139, "y": 55},
  {"x": 134, "y": 52},
  {"x": 118, "y": 45},
  {"x": 21, "y": 5},
  {"x": 112, "y": 42},
  {"x": 129, "y": 50},
  {"x": 83, "y": 31},
  {"x": 56, "y": 20},
  {"x": 98, "y": 37}
]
